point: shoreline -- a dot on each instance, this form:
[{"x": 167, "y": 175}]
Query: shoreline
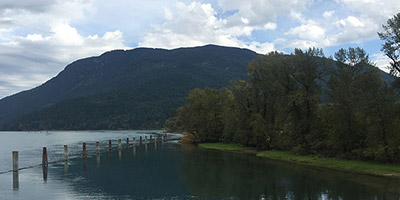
[{"x": 359, "y": 167}]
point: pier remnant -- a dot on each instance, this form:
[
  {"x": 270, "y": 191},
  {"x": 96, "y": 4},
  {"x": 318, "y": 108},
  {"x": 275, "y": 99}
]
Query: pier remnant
[
  {"x": 84, "y": 155},
  {"x": 97, "y": 148},
  {"x": 65, "y": 152},
  {"x": 15, "y": 160},
  {"x": 45, "y": 162}
]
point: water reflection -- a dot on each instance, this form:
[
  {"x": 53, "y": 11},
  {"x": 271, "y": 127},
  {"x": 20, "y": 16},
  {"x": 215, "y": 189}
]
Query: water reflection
[
  {"x": 176, "y": 172},
  {"x": 45, "y": 170},
  {"x": 66, "y": 167},
  {"x": 15, "y": 180},
  {"x": 213, "y": 174}
]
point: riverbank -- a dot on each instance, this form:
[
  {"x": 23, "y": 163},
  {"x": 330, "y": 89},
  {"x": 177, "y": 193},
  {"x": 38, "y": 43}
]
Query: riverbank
[{"x": 331, "y": 163}]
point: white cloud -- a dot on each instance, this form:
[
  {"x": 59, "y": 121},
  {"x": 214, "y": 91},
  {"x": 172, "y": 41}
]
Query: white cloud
[
  {"x": 51, "y": 42},
  {"x": 381, "y": 61},
  {"x": 270, "y": 26},
  {"x": 309, "y": 31},
  {"x": 196, "y": 24},
  {"x": 328, "y": 14}
]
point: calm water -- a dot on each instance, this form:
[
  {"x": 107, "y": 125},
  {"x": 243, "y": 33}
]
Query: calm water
[{"x": 169, "y": 171}]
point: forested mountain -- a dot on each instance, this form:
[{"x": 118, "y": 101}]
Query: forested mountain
[
  {"x": 134, "y": 89},
  {"x": 123, "y": 89}
]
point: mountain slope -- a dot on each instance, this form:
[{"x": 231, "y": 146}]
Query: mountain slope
[{"x": 118, "y": 85}]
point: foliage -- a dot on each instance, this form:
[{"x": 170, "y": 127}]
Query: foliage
[
  {"x": 280, "y": 107},
  {"x": 188, "y": 139},
  {"x": 391, "y": 48}
]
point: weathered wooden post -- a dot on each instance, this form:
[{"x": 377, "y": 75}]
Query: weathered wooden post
[
  {"x": 97, "y": 148},
  {"x": 134, "y": 141},
  {"x": 119, "y": 144},
  {"x": 127, "y": 142},
  {"x": 145, "y": 139},
  {"x": 15, "y": 160},
  {"x": 44, "y": 158},
  {"x": 159, "y": 138},
  {"x": 84, "y": 155},
  {"x": 151, "y": 139},
  {"x": 65, "y": 152},
  {"x": 109, "y": 146},
  {"x": 140, "y": 143}
]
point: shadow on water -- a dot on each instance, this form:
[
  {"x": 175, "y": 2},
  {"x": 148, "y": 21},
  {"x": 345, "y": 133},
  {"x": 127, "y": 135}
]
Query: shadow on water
[
  {"x": 170, "y": 171},
  {"x": 216, "y": 174}
]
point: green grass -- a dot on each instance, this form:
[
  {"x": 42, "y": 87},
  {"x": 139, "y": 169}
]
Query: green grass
[
  {"x": 346, "y": 165},
  {"x": 222, "y": 146}
]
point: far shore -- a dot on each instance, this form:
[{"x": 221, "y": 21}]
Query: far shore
[{"x": 369, "y": 168}]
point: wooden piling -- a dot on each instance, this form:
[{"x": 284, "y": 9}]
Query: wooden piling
[
  {"x": 151, "y": 139},
  {"x": 109, "y": 146},
  {"x": 145, "y": 139},
  {"x": 134, "y": 141},
  {"x": 84, "y": 155},
  {"x": 45, "y": 162},
  {"x": 127, "y": 142},
  {"x": 15, "y": 160},
  {"x": 97, "y": 148},
  {"x": 158, "y": 138},
  {"x": 140, "y": 141},
  {"x": 119, "y": 144},
  {"x": 65, "y": 152}
]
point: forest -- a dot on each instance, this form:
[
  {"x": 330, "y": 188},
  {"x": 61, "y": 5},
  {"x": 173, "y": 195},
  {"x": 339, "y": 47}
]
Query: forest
[{"x": 305, "y": 103}]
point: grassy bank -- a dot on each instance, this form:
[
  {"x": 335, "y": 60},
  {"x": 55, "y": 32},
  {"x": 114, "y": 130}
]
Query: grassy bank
[
  {"x": 222, "y": 146},
  {"x": 332, "y": 163}
]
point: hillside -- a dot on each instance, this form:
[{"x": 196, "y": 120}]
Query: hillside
[{"x": 134, "y": 89}]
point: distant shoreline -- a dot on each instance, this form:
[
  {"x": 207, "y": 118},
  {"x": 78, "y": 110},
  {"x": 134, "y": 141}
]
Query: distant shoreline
[{"x": 360, "y": 167}]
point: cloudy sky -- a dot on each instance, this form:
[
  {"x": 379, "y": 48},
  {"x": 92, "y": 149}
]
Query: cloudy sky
[{"x": 38, "y": 38}]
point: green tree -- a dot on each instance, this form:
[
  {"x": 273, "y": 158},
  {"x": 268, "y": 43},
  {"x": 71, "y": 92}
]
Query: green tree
[
  {"x": 346, "y": 92},
  {"x": 391, "y": 48},
  {"x": 202, "y": 115}
]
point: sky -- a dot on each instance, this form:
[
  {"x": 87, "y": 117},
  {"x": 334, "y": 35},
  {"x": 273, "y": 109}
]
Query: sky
[{"x": 39, "y": 38}]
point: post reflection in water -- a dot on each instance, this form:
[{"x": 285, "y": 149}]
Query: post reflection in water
[
  {"x": 66, "y": 167},
  {"x": 15, "y": 180},
  {"x": 110, "y": 156},
  {"x": 84, "y": 163},
  {"x": 189, "y": 172},
  {"x": 145, "y": 147},
  {"x": 45, "y": 170},
  {"x": 119, "y": 154},
  {"x": 98, "y": 160}
]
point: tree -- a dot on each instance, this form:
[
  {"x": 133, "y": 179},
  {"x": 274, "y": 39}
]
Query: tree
[
  {"x": 346, "y": 94},
  {"x": 391, "y": 48},
  {"x": 202, "y": 115}
]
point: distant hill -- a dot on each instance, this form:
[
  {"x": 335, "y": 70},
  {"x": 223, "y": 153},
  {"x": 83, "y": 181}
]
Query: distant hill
[{"x": 134, "y": 89}]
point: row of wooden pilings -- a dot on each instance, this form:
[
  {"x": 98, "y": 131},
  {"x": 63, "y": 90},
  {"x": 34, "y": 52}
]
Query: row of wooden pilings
[{"x": 84, "y": 154}]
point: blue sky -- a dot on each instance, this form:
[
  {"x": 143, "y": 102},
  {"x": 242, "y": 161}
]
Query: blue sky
[{"x": 38, "y": 38}]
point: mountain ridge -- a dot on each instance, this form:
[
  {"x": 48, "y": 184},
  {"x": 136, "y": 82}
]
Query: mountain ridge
[{"x": 205, "y": 66}]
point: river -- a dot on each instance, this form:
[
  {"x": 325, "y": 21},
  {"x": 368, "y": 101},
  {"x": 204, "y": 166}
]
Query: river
[{"x": 166, "y": 170}]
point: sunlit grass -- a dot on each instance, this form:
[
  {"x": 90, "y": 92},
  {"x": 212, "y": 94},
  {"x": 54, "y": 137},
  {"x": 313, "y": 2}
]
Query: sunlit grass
[
  {"x": 222, "y": 146},
  {"x": 347, "y": 165}
]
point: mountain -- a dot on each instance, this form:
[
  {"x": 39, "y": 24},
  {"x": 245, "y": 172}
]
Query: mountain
[{"x": 133, "y": 89}]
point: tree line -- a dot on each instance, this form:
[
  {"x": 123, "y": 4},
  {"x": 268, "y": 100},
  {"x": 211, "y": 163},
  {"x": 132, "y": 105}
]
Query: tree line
[{"x": 304, "y": 103}]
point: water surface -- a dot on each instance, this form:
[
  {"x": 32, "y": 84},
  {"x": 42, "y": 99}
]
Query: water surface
[{"x": 171, "y": 171}]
